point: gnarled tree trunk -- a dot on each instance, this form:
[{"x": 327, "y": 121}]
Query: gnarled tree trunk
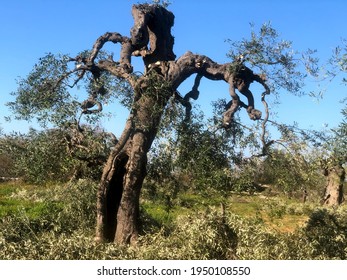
[
  {"x": 125, "y": 170},
  {"x": 123, "y": 175},
  {"x": 335, "y": 174}
]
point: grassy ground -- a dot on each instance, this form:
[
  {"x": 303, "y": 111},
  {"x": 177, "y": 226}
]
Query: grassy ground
[
  {"x": 8, "y": 204},
  {"x": 16, "y": 197},
  {"x": 276, "y": 212},
  {"x": 58, "y": 221}
]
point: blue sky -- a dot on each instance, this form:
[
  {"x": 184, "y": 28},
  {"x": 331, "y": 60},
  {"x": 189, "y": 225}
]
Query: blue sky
[{"x": 29, "y": 29}]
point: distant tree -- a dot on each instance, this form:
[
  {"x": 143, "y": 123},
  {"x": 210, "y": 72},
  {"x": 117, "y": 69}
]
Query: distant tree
[
  {"x": 308, "y": 154},
  {"x": 45, "y": 93},
  {"x": 295, "y": 174},
  {"x": 333, "y": 163},
  {"x": 335, "y": 158},
  {"x": 335, "y": 174}
]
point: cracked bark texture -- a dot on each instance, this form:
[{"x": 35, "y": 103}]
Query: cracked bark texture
[
  {"x": 335, "y": 175},
  {"x": 123, "y": 174}
]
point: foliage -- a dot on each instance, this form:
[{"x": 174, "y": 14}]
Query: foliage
[
  {"x": 164, "y": 3},
  {"x": 275, "y": 58},
  {"x": 291, "y": 173},
  {"x": 203, "y": 154},
  {"x": 41, "y": 94},
  {"x": 338, "y": 143},
  {"x": 338, "y": 62},
  {"x": 191, "y": 156},
  {"x": 38, "y": 156},
  {"x": 199, "y": 155},
  {"x": 64, "y": 212},
  {"x": 47, "y": 93},
  {"x": 56, "y": 154},
  {"x": 208, "y": 236},
  {"x": 241, "y": 238},
  {"x": 327, "y": 232},
  {"x": 6, "y": 165},
  {"x": 245, "y": 181}
]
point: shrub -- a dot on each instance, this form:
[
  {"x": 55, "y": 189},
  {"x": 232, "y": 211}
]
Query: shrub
[
  {"x": 257, "y": 242},
  {"x": 200, "y": 236},
  {"x": 326, "y": 230}
]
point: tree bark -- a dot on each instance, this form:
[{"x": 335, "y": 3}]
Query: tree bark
[
  {"x": 123, "y": 175},
  {"x": 125, "y": 170},
  {"x": 335, "y": 175}
]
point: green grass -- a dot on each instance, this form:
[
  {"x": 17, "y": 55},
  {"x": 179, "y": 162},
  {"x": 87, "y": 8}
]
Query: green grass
[
  {"x": 277, "y": 213},
  {"x": 198, "y": 201},
  {"x": 245, "y": 205},
  {"x": 16, "y": 197},
  {"x": 7, "y": 189},
  {"x": 7, "y": 204}
]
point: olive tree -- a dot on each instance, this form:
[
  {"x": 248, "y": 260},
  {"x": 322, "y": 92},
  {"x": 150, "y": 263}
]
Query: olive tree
[
  {"x": 45, "y": 93},
  {"x": 333, "y": 162},
  {"x": 334, "y": 157}
]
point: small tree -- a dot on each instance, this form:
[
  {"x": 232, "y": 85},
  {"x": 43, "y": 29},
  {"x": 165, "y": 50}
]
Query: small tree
[{"x": 45, "y": 93}]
